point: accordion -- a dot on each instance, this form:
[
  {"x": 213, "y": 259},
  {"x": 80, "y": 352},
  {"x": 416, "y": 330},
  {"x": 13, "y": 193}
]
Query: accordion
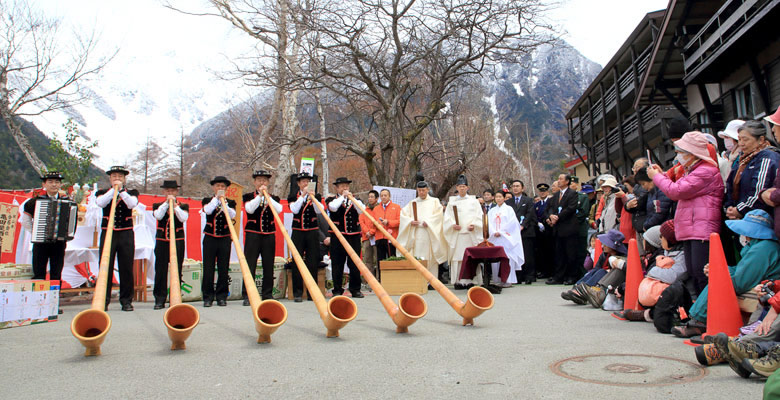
[{"x": 54, "y": 220}]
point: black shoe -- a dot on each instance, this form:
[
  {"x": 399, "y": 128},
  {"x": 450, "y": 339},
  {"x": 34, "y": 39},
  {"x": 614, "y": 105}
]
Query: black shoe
[
  {"x": 246, "y": 302},
  {"x": 127, "y": 307},
  {"x": 221, "y": 303},
  {"x": 59, "y": 311},
  {"x": 337, "y": 293},
  {"x": 569, "y": 282},
  {"x": 553, "y": 281},
  {"x": 357, "y": 295},
  {"x": 158, "y": 306},
  {"x": 207, "y": 303},
  {"x": 458, "y": 286},
  {"x": 308, "y": 298},
  {"x": 529, "y": 282},
  {"x": 298, "y": 300}
]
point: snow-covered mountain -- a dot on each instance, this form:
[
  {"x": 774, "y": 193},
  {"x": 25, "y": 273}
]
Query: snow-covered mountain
[{"x": 138, "y": 97}]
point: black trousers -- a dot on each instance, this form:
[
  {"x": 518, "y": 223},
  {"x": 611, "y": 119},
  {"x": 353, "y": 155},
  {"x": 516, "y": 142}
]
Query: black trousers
[
  {"x": 545, "y": 253},
  {"x": 308, "y": 245},
  {"x": 162, "y": 259},
  {"x": 123, "y": 251},
  {"x": 264, "y": 246},
  {"x": 215, "y": 249},
  {"x": 529, "y": 266},
  {"x": 384, "y": 249},
  {"x": 566, "y": 257},
  {"x": 338, "y": 256},
  {"x": 48, "y": 253}
]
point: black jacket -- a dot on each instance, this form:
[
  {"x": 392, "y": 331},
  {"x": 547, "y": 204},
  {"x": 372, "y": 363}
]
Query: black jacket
[
  {"x": 526, "y": 215},
  {"x": 638, "y": 213},
  {"x": 566, "y": 210}
]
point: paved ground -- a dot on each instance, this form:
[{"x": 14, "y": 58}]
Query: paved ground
[{"x": 508, "y": 354}]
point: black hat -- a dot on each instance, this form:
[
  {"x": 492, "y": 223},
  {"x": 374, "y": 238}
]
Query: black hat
[
  {"x": 303, "y": 175},
  {"x": 117, "y": 168},
  {"x": 462, "y": 180},
  {"x": 261, "y": 172},
  {"x": 51, "y": 175},
  {"x": 170, "y": 185},
  {"x": 543, "y": 187},
  {"x": 218, "y": 179},
  {"x": 342, "y": 180},
  {"x": 422, "y": 184},
  {"x": 575, "y": 179}
]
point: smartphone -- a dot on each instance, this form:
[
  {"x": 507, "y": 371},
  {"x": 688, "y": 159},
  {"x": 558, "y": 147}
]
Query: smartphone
[{"x": 649, "y": 159}]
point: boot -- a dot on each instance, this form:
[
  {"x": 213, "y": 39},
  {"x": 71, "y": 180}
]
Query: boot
[
  {"x": 766, "y": 365},
  {"x": 596, "y": 295},
  {"x": 709, "y": 354}
]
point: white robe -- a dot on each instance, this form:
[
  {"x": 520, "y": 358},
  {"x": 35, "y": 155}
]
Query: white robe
[
  {"x": 504, "y": 221},
  {"x": 424, "y": 242},
  {"x": 469, "y": 213}
]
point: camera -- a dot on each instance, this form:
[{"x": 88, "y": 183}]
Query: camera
[
  {"x": 622, "y": 188},
  {"x": 769, "y": 291}
]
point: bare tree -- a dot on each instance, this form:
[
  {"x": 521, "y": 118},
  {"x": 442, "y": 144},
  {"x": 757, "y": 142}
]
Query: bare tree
[
  {"x": 397, "y": 62},
  {"x": 38, "y": 72},
  {"x": 149, "y": 165}
]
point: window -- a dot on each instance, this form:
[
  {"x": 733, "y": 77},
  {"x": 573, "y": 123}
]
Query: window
[
  {"x": 743, "y": 99},
  {"x": 704, "y": 122}
]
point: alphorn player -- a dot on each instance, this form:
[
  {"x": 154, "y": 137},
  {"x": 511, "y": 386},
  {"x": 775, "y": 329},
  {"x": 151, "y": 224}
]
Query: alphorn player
[
  {"x": 260, "y": 233},
  {"x": 462, "y": 228},
  {"x": 162, "y": 244},
  {"x": 421, "y": 233},
  {"x": 345, "y": 217},
  {"x": 52, "y": 253},
  {"x": 216, "y": 243},
  {"x": 305, "y": 235},
  {"x": 123, "y": 238}
]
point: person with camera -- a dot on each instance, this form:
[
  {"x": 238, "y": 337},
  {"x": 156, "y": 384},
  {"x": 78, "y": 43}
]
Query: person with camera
[
  {"x": 760, "y": 261},
  {"x": 216, "y": 243}
]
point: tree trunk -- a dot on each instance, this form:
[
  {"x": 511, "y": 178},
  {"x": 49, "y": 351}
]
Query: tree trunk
[
  {"x": 24, "y": 145},
  {"x": 323, "y": 146}
]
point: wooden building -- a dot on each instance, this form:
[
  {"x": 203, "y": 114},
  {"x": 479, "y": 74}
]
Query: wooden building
[{"x": 705, "y": 61}]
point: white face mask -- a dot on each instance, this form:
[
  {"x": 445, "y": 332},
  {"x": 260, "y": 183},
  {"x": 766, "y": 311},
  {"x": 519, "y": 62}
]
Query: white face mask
[
  {"x": 729, "y": 144},
  {"x": 682, "y": 159},
  {"x": 743, "y": 240}
]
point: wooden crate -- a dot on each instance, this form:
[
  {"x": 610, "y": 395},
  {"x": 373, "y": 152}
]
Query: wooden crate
[
  {"x": 320, "y": 283},
  {"x": 399, "y": 277}
]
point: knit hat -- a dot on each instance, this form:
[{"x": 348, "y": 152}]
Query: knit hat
[
  {"x": 653, "y": 236},
  {"x": 695, "y": 143},
  {"x": 667, "y": 231}
]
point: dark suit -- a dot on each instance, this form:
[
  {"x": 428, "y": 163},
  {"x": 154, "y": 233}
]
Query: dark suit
[
  {"x": 526, "y": 215},
  {"x": 566, "y": 234}
]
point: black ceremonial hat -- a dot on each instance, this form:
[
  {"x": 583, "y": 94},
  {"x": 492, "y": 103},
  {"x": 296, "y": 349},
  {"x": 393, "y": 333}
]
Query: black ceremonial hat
[
  {"x": 218, "y": 179},
  {"x": 51, "y": 175},
  {"x": 543, "y": 187},
  {"x": 341, "y": 180},
  {"x": 117, "y": 168},
  {"x": 462, "y": 180},
  {"x": 170, "y": 185},
  {"x": 303, "y": 175},
  {"x": 261, "y": 172}
]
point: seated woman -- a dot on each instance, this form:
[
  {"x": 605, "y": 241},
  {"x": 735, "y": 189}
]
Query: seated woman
[
  {"x": 505, "y": 232},
  {"x": 612, "y": 257},
  {"x": 667, "y": 269},
  {"x": 760, "y": 261}
]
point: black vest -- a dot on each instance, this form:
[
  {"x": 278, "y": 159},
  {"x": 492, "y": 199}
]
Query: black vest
[
  {"x": 29, "y": 205},
  {"x": 216, "y": 223},
  {"x": 123, "y": 216},
  {"x": 262, "y": 220},
  {"x": 346, "y": 218},
  {"x": 163, "y": 225},
  {"x": 306, "y": 218}
]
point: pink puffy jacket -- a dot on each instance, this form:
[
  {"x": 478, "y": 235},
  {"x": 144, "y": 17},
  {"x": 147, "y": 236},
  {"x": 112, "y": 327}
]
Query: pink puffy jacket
[{"x": 699, "y": 197}]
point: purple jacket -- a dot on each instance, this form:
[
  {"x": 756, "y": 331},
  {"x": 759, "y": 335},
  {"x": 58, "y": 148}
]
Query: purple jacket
[
  {"x": 775, "y": 197},
  {"x": 699, "y": 196}
]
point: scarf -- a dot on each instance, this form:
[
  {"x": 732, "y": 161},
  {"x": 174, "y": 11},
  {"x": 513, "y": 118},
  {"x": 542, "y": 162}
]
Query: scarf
[{"x": 743, "y": 162}]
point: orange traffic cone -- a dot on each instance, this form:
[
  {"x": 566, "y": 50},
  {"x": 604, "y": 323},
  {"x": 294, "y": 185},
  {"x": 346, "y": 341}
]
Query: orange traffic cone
[
  {"x": 634, "y": 276},
  {"x": 723, "y": 314}
]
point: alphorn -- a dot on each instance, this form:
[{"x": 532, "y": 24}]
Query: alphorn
[
  {"x": 179, "y": 318},
  {"x": 91, "y": 325},
  {"x": 411, "y": 306},
  {"x": 269, "y": 314},
  {"x": 337, "y": 312},
  {"x": 478, "y": 299}
]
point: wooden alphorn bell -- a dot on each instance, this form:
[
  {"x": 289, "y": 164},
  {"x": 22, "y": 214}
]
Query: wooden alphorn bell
[
  {"x": 91, "y": 325},
  {"x": 340, "y": 309},
  {"x": 478, "y": 299},
  {"x": 179, "y": 318},
  {"x": 269, "y": 315},
  {"x": 411, "y": 306}
]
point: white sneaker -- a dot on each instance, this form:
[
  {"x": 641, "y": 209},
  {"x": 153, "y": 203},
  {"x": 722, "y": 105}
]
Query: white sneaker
[{"x": 611, "y": 303}]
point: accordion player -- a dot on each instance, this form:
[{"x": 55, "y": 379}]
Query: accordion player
[{"x": 51, "y": 217}]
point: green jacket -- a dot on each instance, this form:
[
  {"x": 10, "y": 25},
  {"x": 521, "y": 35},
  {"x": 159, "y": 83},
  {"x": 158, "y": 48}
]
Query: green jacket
[{"x": 583, "y": 211}]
